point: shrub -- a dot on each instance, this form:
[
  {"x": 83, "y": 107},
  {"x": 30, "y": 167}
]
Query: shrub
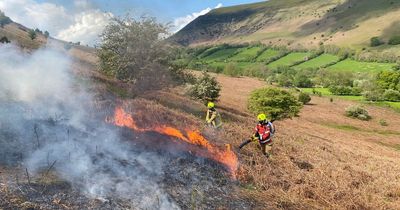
[
  {"x": 375, "y": 41},
  {"x": 391, "y": 95},
  {"x": 206, "y": 88},
  {"x": 231, "y": 70},
  {"x": 4, "y": 20},
  {"x": 32, "y": 34},
  {"x": 395, "y": 40},
  {"x": 357, "y": 112},
  {"x": 373, "y": 95},
  {"x": 46, "y": 34},
  {"x": 38, "y": 31},
  {"x": 340, "y": 90},
  {"x": 256, "y": 71},
  {"x": 383, "y": 122},
  {"x": 284, "y": 80},
  {"x": 276, "y": 103},
  {"x": 388, "y": 79},
  {"x": 302, "y": 81},
  {"x": 304, "y": 98},
  {"x": 134, "y": 51},
  {"x": 4, "y": 40}
]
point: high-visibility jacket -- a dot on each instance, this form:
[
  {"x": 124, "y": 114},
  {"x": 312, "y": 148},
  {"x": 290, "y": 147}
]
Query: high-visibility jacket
[
  {"x": 264, "y": 132},
  {"x": 213, "y": 118}
]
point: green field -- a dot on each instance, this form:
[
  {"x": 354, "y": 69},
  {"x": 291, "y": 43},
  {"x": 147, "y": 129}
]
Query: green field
[
  {"x": 320, "y": 61},
  {"x": 246, "y": 54},
  {"x": 326, "y": 92},
  {"x": 357, "y": 66},
  {"x": 221, "y": 54},
  {"x": 268, "y": 54},
  {"x": 241, "y": 65},
  {"x": 289, "y": 59}
]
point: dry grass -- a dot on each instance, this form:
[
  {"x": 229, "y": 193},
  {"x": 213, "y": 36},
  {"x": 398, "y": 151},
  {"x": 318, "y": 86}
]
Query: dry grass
[{"x": 316, "y": 164}]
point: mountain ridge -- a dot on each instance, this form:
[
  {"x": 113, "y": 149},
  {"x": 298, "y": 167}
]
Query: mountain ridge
[{"x": 305, "y": 23}]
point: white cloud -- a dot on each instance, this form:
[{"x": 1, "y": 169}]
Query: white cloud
[
  {"x": 83, "y": 24},
  {"x": 181, "y": 22},
  {"x": 86, "y": 28},
  {"x": 44, "y": 16}
]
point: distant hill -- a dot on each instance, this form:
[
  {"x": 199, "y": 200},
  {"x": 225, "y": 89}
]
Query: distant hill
[
  {"x": 19, "y": 34},
  {"x": 307, "y": 23}
]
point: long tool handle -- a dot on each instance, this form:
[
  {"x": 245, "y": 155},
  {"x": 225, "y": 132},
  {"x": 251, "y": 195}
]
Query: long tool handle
[{"x": 244, "y": 143}]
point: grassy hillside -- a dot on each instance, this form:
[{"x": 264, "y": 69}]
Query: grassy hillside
[{"x": 345, "y": 23}]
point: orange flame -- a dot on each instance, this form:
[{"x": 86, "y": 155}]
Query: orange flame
[{"x": 225, "y": 156}]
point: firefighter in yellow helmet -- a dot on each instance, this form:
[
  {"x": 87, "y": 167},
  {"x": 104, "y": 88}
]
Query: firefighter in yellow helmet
[
  {"x": 264, "y": 131},
  {"x": 212, "y": 116}
]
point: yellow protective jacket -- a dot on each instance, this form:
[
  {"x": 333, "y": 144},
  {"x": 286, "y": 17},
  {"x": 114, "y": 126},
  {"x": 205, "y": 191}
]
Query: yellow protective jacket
[{"x": 213, "y": 118}]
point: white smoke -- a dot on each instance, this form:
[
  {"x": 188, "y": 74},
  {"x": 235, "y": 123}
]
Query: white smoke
[{"x": 47, "y": 118}]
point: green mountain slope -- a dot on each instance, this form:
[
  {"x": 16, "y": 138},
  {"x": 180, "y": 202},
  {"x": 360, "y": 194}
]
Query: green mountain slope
[{"x": 301, "y": 23}]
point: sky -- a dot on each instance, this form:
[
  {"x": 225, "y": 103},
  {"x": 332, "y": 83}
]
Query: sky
[{"x": 83, "y": 20}]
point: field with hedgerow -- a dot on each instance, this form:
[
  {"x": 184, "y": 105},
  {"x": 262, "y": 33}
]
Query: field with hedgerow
[{"x": 344, "y": 72}]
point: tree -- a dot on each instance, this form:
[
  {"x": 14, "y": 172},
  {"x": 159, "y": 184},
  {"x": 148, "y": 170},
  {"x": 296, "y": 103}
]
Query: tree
[
  {"x": 388, "y": 79},
  {"x": 375, "y": 41},
  {"x": 232, "y": 70},
  {"x": 32, "y": 34},
  {"x": 133, "y": 50},
  {"x": 304, "y": 98},
  {"x": 46, "y": 34},
  {"x": 206, "y": 88},
  {"x": 302, "y": 81},
  {"x": 392, "y": 95},
  {"x": 38, "y": 31},
  {"x": 274, "y": 102},
  {"x": 4, "y": 20},
  {"x": 395, "y": 40}
]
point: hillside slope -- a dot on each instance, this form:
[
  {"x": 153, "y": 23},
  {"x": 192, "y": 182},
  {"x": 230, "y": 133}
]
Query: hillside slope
[{"x": 296, "y": 22}]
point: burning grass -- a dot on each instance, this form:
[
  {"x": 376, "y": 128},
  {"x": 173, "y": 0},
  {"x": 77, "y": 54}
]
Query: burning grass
[{"x": 203, "y": 148}]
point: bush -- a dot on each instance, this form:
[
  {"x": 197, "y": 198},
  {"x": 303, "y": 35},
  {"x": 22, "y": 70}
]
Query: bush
[
  {"x": 302, "y": 81},
  {"x": 133, "y": 51},
  {"x": 259, "y": 71},
  {"x": 358, "y": 113},
  {"x": 340, "y": 90},
  {"x": 304, "y": 98},
  {"x": 373, "y": 95},
  {"x": 231, "y": 70},
  {"x": 32, "y": 34},
  {"x": 395, "y": 40},
  {"x": 375, "y": 41},
  {"x": 388, "y": 79},
  {"x": 383, "y": 122},
  {"x": 4, "y": 40},
  {"x": 206, "y": 88},
  {"x": 391, "y": 95},
  {"x": 46, "y": 34},
  {"x": 284, "y": 80},
  {"x": 274, "y": 102},
  {"x": 4, "y": 20}
]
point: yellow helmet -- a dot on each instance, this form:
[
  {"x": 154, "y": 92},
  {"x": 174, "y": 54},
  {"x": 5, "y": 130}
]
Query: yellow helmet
[
  {"x": 261, "y": 117},
  {"x": 210, "y": 105}
]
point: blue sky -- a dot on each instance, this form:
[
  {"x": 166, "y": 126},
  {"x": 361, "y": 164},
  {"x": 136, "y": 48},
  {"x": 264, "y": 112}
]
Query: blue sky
[{"x": 83, "y": 20}]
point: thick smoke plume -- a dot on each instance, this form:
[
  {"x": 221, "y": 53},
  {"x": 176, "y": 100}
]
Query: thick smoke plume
[{"x": 47, "y": 118}]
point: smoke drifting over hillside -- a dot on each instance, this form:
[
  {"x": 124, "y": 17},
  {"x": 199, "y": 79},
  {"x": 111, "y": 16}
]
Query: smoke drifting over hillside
[{"x": 47, "y": 118}]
